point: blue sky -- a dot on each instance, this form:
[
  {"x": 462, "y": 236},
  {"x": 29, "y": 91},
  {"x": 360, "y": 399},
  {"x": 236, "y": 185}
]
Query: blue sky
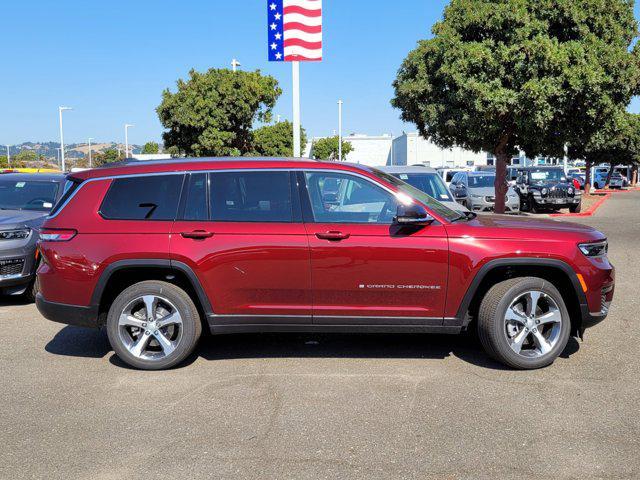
[{"x": 110, "y": 60}]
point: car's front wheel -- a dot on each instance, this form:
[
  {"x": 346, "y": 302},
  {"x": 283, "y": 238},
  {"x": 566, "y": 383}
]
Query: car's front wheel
[
  {"x": 575, "y": 208},
  {"x": 153, "y": 325},
  {"x": 524, "y": 322}
]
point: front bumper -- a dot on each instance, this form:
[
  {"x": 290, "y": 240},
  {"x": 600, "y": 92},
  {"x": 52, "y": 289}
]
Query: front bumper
[
  {"x": 564, "y": 202},
  {"x": 17, "y": 269},
  {"x": 512, "y": 205},
  {"x": 77, "y": 315}
]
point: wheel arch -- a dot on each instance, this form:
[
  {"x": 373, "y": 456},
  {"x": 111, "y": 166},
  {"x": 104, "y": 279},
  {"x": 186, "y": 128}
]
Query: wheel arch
[
  {"x": 124, "y": 273},
  {"x": 557, "y": 272}
]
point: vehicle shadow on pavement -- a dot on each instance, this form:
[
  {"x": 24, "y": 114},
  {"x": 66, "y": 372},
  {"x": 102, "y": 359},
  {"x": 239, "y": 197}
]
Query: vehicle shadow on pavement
[
  {"x": 84, "y": 342},
  {"x": 79, "y": 342},
  {"x": 13, "y": 301}
]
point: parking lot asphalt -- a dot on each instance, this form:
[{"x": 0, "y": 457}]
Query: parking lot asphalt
[{"x": 327, "y": 406}]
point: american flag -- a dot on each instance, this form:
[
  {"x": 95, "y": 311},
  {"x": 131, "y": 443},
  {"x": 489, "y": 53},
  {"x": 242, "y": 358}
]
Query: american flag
[{"x": 295, "y": 30}]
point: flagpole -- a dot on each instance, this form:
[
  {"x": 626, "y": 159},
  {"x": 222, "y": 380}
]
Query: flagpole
[{"x": 295, "y": 71}]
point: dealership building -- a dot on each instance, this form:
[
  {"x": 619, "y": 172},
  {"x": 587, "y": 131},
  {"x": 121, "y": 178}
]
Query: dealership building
[
  {"x": 413, "y": 149},
  {"x": 406, "y": 149}
]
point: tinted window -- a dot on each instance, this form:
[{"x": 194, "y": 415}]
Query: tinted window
[
  {"x": 340, "y": 198},
  {"x": 196, "y": 198},
  {"x": 143, "y": 198},
  {"x": 27, "y": 195},
  {"x": 250, "y": 196}
]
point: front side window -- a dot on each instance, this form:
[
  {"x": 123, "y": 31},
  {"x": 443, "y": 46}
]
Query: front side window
[
  {"x": 343, "y": 198},
  {"x": 27, "y": 195},
  {"x": 258, "y": 196},
  {"x": 153, "y": 197}
]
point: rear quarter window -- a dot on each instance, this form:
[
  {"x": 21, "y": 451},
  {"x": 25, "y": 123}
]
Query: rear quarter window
[{"x": 143, "y": 198}]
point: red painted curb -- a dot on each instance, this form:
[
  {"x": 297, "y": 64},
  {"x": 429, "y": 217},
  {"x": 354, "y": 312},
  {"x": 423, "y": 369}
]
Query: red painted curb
[
  {"x": 615, "y": 191},
  {"x": 588, "y": 213}
]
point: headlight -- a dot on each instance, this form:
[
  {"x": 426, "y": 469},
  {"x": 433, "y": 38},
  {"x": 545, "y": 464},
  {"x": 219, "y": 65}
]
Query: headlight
[
  {"x": 15, "y": 234},
  {"x": 544, "y": 191},
  {"x": 596, "y": 249}
]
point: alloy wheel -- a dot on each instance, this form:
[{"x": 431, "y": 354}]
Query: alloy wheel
[
  {"x": 150, "y": 327},
  {"x": 532, "y": 324}
]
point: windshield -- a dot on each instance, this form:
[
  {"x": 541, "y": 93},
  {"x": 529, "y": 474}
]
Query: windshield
[
  {"x": 480, "y": 181},
  {"x": 430, "y": 202},
  {"x": 430, "y": 183},
  {"x": 546, "y": 175},
  {"x": 27, "y": 195}
]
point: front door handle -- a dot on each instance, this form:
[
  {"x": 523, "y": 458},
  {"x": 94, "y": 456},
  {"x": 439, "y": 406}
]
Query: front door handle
[
  {"x": 332, "y": 235},
  {"x": 197, "y": 234}
]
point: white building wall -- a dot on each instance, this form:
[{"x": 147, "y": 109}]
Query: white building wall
[
  {"x": 412, "y": 149},
  {"x": 369, "y": 150},
  {"x": 407, "y": 149}
]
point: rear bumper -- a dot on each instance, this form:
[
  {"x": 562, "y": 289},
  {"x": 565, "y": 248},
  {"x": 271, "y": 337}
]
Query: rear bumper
[{"x": 77, "y": 315}]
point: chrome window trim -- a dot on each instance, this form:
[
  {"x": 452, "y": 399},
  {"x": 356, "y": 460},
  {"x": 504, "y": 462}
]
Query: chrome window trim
[{"x": 209, "y": 170}]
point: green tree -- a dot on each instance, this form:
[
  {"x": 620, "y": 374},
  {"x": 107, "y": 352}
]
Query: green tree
[
  {"x": 617, "y": 144},
  {"x": 505, "y": 75},
  {"x": 151, "y": 148},
  {"x": 22, "y": 157},
  {"x": 110, "y": 155},
  {"x": 212, "y": 113},
  {"x": 327, "y": 148},
  {"x": 275, "y": 140}
]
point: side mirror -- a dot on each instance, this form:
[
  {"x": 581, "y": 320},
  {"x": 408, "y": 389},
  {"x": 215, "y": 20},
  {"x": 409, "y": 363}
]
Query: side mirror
[
  {"x": 460, "y": 191},
  {"x": 412, "y": 215}
]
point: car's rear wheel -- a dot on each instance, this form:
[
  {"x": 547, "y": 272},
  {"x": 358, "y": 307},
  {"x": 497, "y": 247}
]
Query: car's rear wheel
[
  {"x": 153, "y": 325},
  {"x": 524, "y": 322}
]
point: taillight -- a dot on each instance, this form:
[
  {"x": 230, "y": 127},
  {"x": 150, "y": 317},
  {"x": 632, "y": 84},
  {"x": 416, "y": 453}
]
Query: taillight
[{"x": 57, "y": 234}]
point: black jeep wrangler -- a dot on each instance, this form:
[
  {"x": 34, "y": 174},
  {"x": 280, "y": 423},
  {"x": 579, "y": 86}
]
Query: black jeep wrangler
[{"x": 546, "y": 188}]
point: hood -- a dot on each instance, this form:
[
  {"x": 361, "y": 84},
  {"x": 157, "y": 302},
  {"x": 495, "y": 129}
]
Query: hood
[
  {"x": 488, "y": 191},
  {"x": 550, "y": 185},
  {"x": 20, "y": 218},
  {"x": 523, "y": 228}
]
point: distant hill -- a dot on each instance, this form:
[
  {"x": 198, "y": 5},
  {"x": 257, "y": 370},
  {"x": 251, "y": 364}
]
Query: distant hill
[{"x": 71, "y": 150}]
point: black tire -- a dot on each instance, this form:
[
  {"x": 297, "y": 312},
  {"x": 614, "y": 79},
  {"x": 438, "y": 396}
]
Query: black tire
[
  {"x": 491, "y": 325},
  {"x": 191, "y": 323},
  {"x": 533, "y": 208},
  {"x": 576, "y": 208}
]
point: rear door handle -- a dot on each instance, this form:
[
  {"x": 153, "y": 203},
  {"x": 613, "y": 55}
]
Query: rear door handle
[
  {"x": 332, "y": 235},
  {"x": 197, "y": 234}
]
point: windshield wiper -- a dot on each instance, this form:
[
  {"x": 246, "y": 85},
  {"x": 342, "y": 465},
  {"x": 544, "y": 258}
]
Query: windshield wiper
[{"x": 465, "y": 216}]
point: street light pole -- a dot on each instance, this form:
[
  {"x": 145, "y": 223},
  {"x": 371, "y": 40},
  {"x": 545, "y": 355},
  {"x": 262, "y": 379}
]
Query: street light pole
[
  {"x": 90, "y": 151},
  {"x": 340, "y": 130},
  {"x": 62, "y": 164},
  {"x": 8, "y": 156},
  {"x": 126, "y": 139}
]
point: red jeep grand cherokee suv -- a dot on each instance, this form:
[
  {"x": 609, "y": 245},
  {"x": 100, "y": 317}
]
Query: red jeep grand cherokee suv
[{"x": 157, "y": 251}]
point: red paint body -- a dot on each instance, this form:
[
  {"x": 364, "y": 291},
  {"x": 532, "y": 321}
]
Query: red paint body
[{"x": 285, "y": 269}]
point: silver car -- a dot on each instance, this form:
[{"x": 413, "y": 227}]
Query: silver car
[
  {"x": 476, "y": 191},
  {"x": 427, "y": 180}
]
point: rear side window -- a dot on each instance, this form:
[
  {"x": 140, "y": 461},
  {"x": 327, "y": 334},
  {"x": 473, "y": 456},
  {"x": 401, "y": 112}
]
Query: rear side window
[
  {"x": 251, "y": 196},
  {"x": 71, "y": 184},
  {"x": 143, "y": 198}
]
